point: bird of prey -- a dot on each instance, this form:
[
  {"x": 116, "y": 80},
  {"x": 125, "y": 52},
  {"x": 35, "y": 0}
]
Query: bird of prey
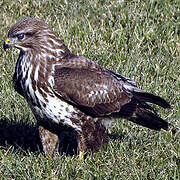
[{"x": 72, "y": 93}]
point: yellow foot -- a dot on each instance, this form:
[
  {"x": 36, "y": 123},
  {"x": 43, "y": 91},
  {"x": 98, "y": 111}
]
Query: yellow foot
[{"x": 81, "y": 155}]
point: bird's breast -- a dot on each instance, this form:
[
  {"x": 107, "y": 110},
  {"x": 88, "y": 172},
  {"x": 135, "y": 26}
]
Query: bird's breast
[{"x": 35, "y": 82}]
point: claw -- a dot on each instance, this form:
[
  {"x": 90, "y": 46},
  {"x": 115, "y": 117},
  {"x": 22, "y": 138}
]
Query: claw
[{"x": 81, "y": 155}]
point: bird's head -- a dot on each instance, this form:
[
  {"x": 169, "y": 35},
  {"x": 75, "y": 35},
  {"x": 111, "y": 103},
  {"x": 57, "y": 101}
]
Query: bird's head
[
  {"x": 27, "y": 33},
  {"x": 34, "y": 35}
]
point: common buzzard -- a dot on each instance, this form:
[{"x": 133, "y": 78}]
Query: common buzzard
[{"x": 72, "y": 93}]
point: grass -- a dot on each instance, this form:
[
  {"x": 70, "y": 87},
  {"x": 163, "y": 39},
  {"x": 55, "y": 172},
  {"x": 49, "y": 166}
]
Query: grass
[{"x": 139, "y": 39}]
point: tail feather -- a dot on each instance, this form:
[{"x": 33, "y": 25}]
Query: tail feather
[
  {"x": 148, "y": 97},
  {"x": 139, "y": 111},
  {"x": 148, "y": 119}
]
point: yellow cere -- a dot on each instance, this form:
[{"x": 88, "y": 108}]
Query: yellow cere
[{"x": 7, "y": 40}]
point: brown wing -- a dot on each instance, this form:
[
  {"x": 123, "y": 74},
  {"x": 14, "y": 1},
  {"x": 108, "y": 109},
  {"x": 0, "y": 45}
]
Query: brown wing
[{"x": 89, "y": 86}]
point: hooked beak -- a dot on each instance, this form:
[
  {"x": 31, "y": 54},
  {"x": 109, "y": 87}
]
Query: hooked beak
[
  {"x": 10, "y": 42},
  {"x": 6, "y": 44}
]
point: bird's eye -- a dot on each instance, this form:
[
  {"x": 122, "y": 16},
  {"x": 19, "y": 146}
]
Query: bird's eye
[{"x": 20, "y": 36}]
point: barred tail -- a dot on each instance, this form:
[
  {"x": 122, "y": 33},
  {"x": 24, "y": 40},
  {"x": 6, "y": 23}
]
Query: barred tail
[
  {"x": 145, "y": 115},
  {"x": 148, "y": 97},
  {"x": 146, "y": 118}
]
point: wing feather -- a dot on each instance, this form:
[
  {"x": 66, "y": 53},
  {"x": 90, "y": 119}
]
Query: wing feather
[{"x": 89, "y": 87}]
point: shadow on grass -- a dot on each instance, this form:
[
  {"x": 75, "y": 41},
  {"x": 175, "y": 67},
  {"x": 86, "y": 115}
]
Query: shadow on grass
[
  {"x": 19, "y": 135},
  {"x": 25, "y": 137},
  {"x": 117, "y": 136}
]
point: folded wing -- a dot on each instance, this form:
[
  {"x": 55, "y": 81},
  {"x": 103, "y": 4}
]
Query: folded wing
[{"x": 90, "y": 87}]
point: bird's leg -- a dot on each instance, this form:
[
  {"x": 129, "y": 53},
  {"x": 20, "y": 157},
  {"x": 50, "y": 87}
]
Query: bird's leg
[
  {"x": 48, "y": 140},
  {"x": 81, "y": 155},
  {"x": 82, "y": 146}
]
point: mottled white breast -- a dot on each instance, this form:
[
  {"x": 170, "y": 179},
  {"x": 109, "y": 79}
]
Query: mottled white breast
[{"x": 57, "y": 110}]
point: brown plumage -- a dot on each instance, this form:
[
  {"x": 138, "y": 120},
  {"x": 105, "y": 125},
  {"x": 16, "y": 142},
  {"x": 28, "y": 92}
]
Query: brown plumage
[{"x": 69, "y": 93}]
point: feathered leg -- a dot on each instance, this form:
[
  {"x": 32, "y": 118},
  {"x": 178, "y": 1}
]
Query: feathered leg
[
  {"x": 49, "y": 141},
  {"x": 81, "y": 146},
  {"x": 92, "y": 137}
]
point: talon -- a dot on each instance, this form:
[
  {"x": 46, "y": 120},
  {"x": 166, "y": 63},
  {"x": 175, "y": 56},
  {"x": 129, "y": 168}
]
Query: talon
[{"x": 81, "y": 155}]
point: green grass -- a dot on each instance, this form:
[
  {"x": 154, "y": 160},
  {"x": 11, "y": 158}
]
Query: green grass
[{"x": 140, "y": 39}]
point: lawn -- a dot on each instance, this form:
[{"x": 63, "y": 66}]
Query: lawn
[{"x": 139, "y": 39}]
